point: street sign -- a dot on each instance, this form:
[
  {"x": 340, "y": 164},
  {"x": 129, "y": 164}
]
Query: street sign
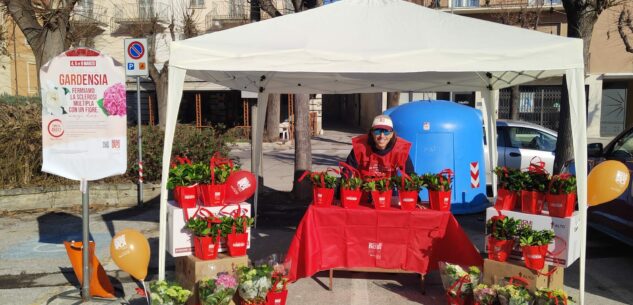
[{"x": 135, "y": 57}]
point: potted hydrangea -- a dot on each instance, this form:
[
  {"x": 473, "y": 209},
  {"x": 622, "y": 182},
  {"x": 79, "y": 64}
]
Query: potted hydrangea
[
  {"x": 279, "y": 292},
  {"x": 350, "y": 186},
  {"x": 254, "y": 284},
  {"x": 545, "y": 296},
  {"x": 514, "y": 295},
  {"x": 485, "y": 295},
  {"x": 561, "y": 197},
  {"x": 217, "y": 291},
  {"x": 534, "y": 244},
  {"x": 380, "y": 190},
  {"x": 459, "y": 283},
  {"x": 165, "y": 293}
]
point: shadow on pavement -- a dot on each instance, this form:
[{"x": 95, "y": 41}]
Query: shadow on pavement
[{"x": 50, "y": 230}]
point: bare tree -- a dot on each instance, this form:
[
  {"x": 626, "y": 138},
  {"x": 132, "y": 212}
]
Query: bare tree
[
  {"x": 272, "y": 117},
  {"x": 393, "y": 99},
  {"x": 45, "y": 25},
  {"x": 183, "y": 22},
  {"x": 582, "y": 15}
]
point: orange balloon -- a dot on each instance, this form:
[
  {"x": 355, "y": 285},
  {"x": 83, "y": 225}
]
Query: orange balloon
[
  {"x": 606, "y": 182},
  {"x": 130, "y": 251}
]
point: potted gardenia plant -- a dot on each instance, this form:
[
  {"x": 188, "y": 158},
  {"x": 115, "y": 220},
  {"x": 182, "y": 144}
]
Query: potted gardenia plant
[
  {"x": 439, "y": 186},
  {"x": 350, "y": 186},
  {"x": 408, "y": 187},
  {"x": 502, "y": 232},
  {"x": 380, "y": 189},
  {"x": 561, "y": 197},
  {"x": 217, "y": 291},
  {"x": 534, "y": 244},
  {"x": 324, "y": 185},
  {"x": 237, "y": 238},
  {"x": 508, "y": 185},
  {"x": 206, "y": 240},
  {"x": 535, "y": 183},
  {"x": 254, "y": 284},
  {"x": 183, "y": 179},
  {"x": 164, "y": 293},
  {"x": 217, "y": 172}
]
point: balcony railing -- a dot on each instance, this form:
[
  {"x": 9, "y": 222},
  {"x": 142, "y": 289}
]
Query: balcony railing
[
  {"x": 141, "y": 11},
  {"x": 465, "y": 3},
  {"x": 227, "y": 14},
  {"x": 92, "y": 14}
]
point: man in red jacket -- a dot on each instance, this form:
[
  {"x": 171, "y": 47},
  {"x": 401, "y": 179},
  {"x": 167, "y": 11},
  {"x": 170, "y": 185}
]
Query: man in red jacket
[{"x": 380, "y": 152}]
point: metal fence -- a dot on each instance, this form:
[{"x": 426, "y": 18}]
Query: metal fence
[{"x": 537, "y": 104}]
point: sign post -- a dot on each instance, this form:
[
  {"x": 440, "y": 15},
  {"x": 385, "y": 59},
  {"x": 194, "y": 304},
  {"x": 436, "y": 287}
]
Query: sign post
[
  {"x": 136, "y": 65},
  {"x": 84, "y": 126}
]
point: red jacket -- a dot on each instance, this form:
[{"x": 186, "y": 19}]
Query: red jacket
[{"x": 371, "y": 164}]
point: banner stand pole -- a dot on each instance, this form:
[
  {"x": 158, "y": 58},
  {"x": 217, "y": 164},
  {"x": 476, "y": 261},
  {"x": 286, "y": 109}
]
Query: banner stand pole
[
  {"x": 140, "y": 141},
  {"x": 85, "y": 287}
]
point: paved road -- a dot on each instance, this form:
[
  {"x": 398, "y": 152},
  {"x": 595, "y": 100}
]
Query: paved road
[{"x": 34, "y": 267}]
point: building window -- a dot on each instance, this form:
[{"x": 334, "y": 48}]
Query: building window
[
  {"x": 196, "y": 4},
  {"x": 465, "y": 3},
  {"x": 31, "y": 78}
]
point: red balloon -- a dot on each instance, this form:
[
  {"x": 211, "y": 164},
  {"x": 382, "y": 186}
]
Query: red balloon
[{"x": 239, "y": 186}]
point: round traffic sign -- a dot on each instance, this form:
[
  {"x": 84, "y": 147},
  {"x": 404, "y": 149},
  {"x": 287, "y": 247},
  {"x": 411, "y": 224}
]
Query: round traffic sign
[{"x": 135, "y": 50}]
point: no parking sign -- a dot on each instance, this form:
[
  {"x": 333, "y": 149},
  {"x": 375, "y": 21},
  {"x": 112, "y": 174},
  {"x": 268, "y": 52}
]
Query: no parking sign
[{"x": 135, "y": 57}]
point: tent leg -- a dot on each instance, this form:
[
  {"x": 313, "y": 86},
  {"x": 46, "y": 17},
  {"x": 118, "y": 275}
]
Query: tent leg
[{"x": 257, "y": 138}]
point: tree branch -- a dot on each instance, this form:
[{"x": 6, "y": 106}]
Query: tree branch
[
  {"x": 268, "y": 7},
  {"x": 625, "y": 20},
  {"x": 24, "y": 16}
]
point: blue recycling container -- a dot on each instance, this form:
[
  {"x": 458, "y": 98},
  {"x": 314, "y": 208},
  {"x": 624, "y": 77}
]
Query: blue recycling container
[{"x": 444, "y": 135}]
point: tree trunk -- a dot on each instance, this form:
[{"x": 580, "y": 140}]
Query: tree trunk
[
  {"x": 393, "y": 99},
  {"x": 303, "y": 149},
  {"x": 256, "y": 14},
  {"x": 564, "y": 145},
  {"x": 514, "y": 105},
  {"x": 580, "y": 18},
  {"x": 272, "y": 118},
  {"x": 161, "y": 97}
]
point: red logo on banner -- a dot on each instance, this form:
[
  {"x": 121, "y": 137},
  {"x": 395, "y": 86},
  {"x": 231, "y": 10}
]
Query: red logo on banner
[{"x": 474, "y": 174}]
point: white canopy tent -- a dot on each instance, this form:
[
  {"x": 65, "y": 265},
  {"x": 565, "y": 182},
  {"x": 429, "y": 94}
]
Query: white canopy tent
[{"x": 370, "y": 46}]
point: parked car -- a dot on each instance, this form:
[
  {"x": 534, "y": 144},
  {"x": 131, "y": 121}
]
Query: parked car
[
  {"x": 518, "y": 142},
  {"x": 614, "y": 218}
]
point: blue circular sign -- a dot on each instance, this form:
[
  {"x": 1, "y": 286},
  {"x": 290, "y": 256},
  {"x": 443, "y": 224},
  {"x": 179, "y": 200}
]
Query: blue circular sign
[{"x": 135, "y": 50}]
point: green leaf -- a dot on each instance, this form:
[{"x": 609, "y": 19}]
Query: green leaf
[
  {"x": 66, "y": 91},
  {"x": 100, "y": 103}
]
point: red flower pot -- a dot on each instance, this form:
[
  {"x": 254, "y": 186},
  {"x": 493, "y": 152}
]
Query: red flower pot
[
  {"x": 252, "y": 302},
  {"x": 350, "y": 198},
  {"x": 276, "y": 298},
  {"x": 506, "y": 200},
  {"x": 499, "y": 250},
  {"x": 213, "y": 194},
  {"x": 562, "y": 205},
  {"x": 236, "y": 243},
  {"x": 186, "y": 196},
  {"x": 408, "y": 200},
  {"x": 532, "y": 202},
  {"x": 382, "y": 200},
  {"x": 534, "y": 256},
  {"x": 206, "y": 248},
  {"x": 322, "y": 197},
  {"x": 440, "y": 200}
]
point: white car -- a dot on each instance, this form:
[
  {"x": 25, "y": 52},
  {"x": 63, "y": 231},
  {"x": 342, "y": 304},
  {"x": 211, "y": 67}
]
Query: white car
[{"x": 518, "y": 142}]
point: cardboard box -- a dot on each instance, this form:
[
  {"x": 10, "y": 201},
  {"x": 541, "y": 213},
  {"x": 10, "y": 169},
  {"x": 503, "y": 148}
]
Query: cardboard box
[
  {"x": 497, "y": 272},
  {"x": 190, "y": 270},
  {"x": 566, "y": 245},
  {"x": 179, "y": 239}
]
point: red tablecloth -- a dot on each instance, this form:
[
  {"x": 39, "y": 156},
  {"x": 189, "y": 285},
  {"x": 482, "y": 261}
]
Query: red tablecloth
[{"x": 334, "y": 237}]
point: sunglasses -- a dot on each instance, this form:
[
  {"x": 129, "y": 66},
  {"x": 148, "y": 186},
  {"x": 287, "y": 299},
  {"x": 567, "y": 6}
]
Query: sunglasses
[{"x": 384, "y": 132}]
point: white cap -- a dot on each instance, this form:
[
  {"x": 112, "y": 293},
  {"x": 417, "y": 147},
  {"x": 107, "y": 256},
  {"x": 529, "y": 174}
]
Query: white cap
[{"x": 382, "y": 121}]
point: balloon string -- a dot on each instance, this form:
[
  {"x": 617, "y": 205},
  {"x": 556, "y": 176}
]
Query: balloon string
[{"x": 146, "y": 293}]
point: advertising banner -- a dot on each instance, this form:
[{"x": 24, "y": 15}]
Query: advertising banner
[{"x": 84, "y": 122}]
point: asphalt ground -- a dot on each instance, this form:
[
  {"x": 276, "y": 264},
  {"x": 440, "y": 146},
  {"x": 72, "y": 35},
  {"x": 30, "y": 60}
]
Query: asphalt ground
[{"x": 34, "y": 268}]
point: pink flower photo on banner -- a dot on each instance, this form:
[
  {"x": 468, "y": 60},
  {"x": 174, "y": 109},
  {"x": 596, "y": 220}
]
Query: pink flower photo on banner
[{"x": 113, "y": 102}]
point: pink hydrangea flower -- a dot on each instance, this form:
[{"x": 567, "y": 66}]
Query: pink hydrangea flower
[
  {"x": 226, "y": 281},
  {"x": 114, "y": 100}
]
